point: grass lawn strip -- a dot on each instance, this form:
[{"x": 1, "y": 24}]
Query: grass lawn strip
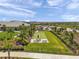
[{"x": 56, "y": 42}]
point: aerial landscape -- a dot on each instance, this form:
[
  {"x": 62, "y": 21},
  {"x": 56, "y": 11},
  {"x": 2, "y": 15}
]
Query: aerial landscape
[{"x": 39, "y": 29}]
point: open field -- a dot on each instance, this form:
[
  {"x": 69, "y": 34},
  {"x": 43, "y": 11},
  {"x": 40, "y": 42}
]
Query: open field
[{"x": 54, "y": 45}]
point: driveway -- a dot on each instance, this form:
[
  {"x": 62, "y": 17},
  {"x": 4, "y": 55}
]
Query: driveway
[{"x": 37, "y": 55}]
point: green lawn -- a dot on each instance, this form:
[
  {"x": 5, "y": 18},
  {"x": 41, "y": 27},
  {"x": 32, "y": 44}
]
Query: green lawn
[
  {"x": 55, "y": 41},
  {"x": 54, "y": 45},
  {"x": 4, "y": 35},
  {"x": 41, "y": 35}
]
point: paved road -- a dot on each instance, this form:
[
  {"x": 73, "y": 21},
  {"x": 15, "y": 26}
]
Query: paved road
[{"x": 38, "y": 55}]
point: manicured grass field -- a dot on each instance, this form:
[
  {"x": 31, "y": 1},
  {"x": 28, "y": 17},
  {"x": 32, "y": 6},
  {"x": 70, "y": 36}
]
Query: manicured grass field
[
  {"x": 55, "y": 41},
  {"x": 41, "y": 35},
  {"x": 54, "y": 45}
]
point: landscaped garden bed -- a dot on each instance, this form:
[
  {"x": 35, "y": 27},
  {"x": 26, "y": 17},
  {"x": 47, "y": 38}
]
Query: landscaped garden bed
[{"x": 6, "y": 41}]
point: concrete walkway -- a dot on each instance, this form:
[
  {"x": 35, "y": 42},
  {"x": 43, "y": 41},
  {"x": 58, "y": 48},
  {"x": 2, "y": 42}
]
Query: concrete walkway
[{"x": 37, "y": 55}]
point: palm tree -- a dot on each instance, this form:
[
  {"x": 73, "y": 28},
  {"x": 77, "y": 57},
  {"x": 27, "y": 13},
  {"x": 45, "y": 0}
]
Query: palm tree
[
  {"x": 23, "y": 35},
  {"x": 32, "y": 30},
  {"x": 23, "y": 29},
  {"x": 9, "y": 33}
]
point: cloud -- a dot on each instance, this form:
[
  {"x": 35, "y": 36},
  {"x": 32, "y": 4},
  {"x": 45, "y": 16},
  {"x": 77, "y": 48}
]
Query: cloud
[
  {"x": 13, "y": 13},
  {"x": 54, "y": 2},
  {"x": 74, "y": 4},
  {"x": 7, "y": 5},
  {"x": 36, "y": 4},
  {"x": 1, "y": 1},
  {"x": 27, "y": 20},
  {"x": 70, "y": 17},
  {"x": 15, "y": 10},
  {"x": 75, "y": 0},
  {"x": 28, "y": 3}
]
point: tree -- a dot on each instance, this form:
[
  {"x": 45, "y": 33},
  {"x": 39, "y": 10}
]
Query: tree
[
  {"x": 71, "y": 38},
  {"x": 9, "y": 33},
  {"x": 32, "y": 28},
  {"x": 23, "y": 35},
  {"x": 10, "y": 36},
  {"x": 55, "y": 29},
  {"x": 4, "y": 28}
]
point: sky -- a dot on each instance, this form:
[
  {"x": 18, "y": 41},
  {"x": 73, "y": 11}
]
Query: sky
[{"x": 40, "y": 10}]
